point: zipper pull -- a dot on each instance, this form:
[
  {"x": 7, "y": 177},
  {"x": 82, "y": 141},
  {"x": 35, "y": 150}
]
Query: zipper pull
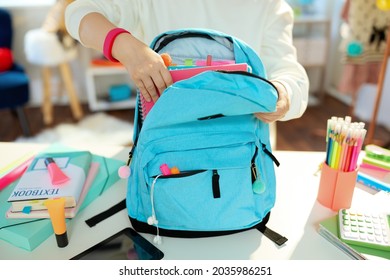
[
  {"x": 258, "y": 185},
  {"x": 215, "y": 184},
  {"x": 254, "y": 172}
]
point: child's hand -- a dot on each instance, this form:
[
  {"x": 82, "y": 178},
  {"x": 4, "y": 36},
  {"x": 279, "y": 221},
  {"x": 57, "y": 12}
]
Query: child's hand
[
  {"x": 145, "y": 66},
  {"x": 282, "y": 105}
]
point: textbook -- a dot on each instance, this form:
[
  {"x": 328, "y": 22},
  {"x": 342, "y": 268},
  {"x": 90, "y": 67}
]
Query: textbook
[
  {"x": 329, "y": 230},
  {"x": 36, "y": 184},
  {"x": 179, "y": 73},
  {"x": 69, "y": 212}
]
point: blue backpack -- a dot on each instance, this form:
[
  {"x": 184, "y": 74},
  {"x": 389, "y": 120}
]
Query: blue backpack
[{"x": 220, "y": 175}]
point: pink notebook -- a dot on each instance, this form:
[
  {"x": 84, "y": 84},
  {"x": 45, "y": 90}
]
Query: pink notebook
[{"x": 181, "y": 73}]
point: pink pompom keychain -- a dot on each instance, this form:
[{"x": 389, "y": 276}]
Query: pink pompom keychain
[{"x": 124, "y": 171}]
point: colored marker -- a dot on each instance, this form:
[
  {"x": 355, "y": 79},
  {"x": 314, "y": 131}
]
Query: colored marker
[
  {"x": 56, "y": 209},
  {"x": 209, "y": 60},
  {"x": 359, "y": 145},
  {"x": 345, "y": 149},
  {"x": 344, "y": 143},
  {"x": 165, "y": 170},
  {"x": 56, "y": 175}
]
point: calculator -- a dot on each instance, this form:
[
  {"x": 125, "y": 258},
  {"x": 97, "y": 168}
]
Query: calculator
[{"x": 364, "y": 229}]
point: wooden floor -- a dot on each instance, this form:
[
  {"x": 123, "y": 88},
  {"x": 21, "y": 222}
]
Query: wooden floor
[{"x": 304, "y": 134}]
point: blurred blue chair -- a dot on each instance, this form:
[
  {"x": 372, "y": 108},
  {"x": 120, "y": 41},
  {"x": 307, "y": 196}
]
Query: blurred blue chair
[{"x": 14, "y": 83}]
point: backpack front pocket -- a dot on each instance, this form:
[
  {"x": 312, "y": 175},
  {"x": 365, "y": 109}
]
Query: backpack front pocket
[{"x": 214, "y": 184}]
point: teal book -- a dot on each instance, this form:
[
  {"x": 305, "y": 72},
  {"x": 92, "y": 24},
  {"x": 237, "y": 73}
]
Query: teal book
[
  {"x": 328, "y": 228},
  {"x": 36, "y": 184}
]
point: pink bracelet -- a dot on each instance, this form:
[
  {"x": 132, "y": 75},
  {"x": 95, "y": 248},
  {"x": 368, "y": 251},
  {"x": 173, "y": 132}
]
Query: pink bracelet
[{"x": 109, "y": 42}]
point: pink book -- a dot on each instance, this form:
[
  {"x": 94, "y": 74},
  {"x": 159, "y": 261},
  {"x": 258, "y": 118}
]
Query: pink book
[{"x": 185, "y": 72}]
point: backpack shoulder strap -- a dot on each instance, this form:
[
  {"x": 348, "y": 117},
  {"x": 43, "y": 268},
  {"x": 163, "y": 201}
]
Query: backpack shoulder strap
[{"x": 91, "y": 222}]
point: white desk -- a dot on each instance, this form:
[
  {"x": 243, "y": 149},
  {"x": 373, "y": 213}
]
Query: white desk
[{"x": 296, "y": 215}]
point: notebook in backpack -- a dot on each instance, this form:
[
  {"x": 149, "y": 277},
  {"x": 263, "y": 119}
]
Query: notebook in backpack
[{"x": 201, "y": 164}]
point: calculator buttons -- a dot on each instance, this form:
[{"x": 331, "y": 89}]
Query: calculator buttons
[{"x": 365, "y": 229}]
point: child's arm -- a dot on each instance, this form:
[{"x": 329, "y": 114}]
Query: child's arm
[{"x": 146, "y": 67}]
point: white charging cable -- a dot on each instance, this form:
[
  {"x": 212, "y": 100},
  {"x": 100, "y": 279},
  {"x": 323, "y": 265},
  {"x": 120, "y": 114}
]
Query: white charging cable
[{"x": 152, "y": 220}]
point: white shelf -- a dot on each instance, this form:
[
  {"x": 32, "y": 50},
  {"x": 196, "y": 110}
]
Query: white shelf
[
  {"x": 106, "y": 70},
  {"x": 105, "y": 105},
  {"x": 99, "y": 80},
  {"x": 311, "y": 52}
]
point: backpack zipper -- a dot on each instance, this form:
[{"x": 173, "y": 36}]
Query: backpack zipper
[
  {"x": 274, "y": 159},
  {"x": 249, "y": 74},
  {"x": 253, "y": 165},
  {"x": 181, "y": 174},
  {"x": 168, "y": 38}
]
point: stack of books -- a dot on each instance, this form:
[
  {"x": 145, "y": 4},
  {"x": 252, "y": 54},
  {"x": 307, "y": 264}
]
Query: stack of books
[
  {"x": 328, "y": 228},
  {"x": 38, "y": 183},
  {"x": 374, "y": 171},
  {"x": 30, "y": 227}
]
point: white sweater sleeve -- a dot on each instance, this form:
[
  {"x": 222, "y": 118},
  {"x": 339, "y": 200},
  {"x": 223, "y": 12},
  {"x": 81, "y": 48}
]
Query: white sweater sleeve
[
  {"x": 113, "y": 10},
  {"x": 279, "y": 57}
]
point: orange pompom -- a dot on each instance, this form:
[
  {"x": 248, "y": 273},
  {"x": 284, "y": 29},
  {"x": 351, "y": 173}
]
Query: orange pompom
[{"x": 167, "y": 59}]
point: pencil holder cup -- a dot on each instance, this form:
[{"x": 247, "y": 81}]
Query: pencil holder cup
[{"x": 336, "y": 188}]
